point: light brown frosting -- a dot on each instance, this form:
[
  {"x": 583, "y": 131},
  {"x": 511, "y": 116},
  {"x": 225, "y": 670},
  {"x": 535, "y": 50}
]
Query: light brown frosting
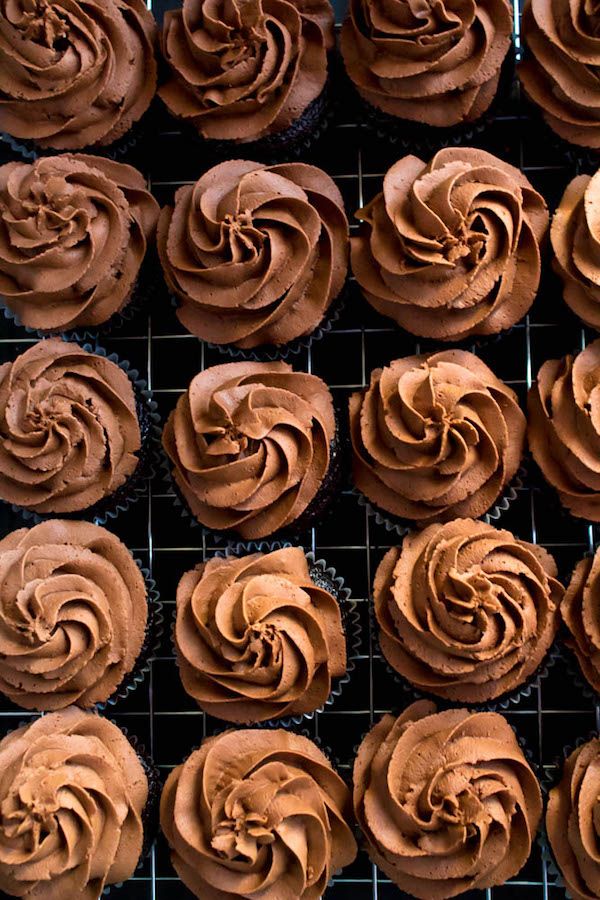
[
  {"x": 256, "y": 639},
  {"x": 466, "y": 611},
  {"x": 75, "y": 74},
  {"x": 244, "y": 69},
  {"x": 451, "y": 248},
  {"x": 259, "y": 814},
  {"x": 72, "y": 792},
  {"x": 446, "y": 800},
  {"x": 250, "y": 445},
  {"x": 69, "y": 431},
  {"x": 72, "y": 614},
  {"x": 74, "y": 233},
  {"x": 564, "y": 429},
  {"x": 435, "y": 437},
  {"x": 561, "y": 68},
  {"x": 580, "y": 611},
  {"x": 435, "y": 63},
  {"x": 256, "y": 254}
]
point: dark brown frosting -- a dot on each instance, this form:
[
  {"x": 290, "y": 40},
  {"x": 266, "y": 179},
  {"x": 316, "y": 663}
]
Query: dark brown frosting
[
  {"x": 466, "y": 611},
  {"x": 75, "y": 74},
  {"x": 450, "y": 248},
  {"x": 257, "y": 813},
  {"x": 435, "y": 437},
  {"x": 561, "y": 69},
  {"x": 250, "y": 445},
  {"x": 256, "y": 254},
  {"x": 73, "y": 234},
  {"x": 72, "y": 614},
  {"x": 564, "y": 429},
  {"x": 580, "y": 611},
  {"x": 72, "y": 792},
  {"x": 446, "y": 800},
  {"x": 435, "y": 63},
  {"x": 244, "y": 69},
  {"x": 256, "y": 639},
  {"x": 69, "y": 431}
]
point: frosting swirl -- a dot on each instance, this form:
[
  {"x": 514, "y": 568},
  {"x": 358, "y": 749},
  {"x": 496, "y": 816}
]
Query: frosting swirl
[
  {"x": 72, "y": 614},
  {"x": 75, "y": 74},
  {"x": 245, "y": 69},
  {"x": 446, "y": 800},
  {"x": 74, "y": 231},
  {"x": 72, "y": 792},
  {"x": 256, "y": 254},
  {"x": 257, "y": 813},
  {"x": 435, "y": 437},
  {"x": 564, "y": 429},
  {"x": 69, "y": 431},
  {"x": 580, "y": 611},
  {"x": 466, "y": 611},
  {"x": 256, "y": 638},
  {"x": 434, "y": 63},
  {"x": 250, "y": 445},
  {"x": 451, "y": 248}
]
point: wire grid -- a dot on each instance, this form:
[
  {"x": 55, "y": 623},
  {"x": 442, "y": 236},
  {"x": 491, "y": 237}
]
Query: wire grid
[{"x": 159, "y": 713}]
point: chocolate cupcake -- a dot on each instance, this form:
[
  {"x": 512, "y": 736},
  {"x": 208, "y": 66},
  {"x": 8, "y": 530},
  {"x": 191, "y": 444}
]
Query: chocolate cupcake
[
  {"x": 451, "y": 249},
  {"x": 435, "y": 437},
  {"x": 257, "y": 812},
  {"x": 580, "y": 612},
  {"x": 446, "y": 800},
  {"x": 74, "y": 233},
  {"x": 466, "y": 611},
  {"x": 254, "y": 448}
]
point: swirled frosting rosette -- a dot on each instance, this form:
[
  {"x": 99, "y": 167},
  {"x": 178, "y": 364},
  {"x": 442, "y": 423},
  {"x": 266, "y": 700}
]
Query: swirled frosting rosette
[
  {"x": 74, "y": 231},
  {"x": 72, "y": 795},
  {"x": 75, "y": 74},
  {"x": 69, "y": 431},
  {"x": 435, "y": 437},
  {"x": 435, "y": 63},
  {"x": 251, "y": 446},
  {"x": 580, "y": 612},
  {"x": 466, "y": 611},
  {"x": 257, "y": 813},
  {"x": 255, "y": 254},
  {"x": 246, "y": 69},
  {"x": 446, "y": 800},
  {"x": 451, "y": 248}
]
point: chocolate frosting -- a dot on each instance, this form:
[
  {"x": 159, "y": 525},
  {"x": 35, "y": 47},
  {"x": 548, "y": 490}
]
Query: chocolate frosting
[
  {"x": 72, "y": 792},
  {"x": 564, "y": 429},
  {"x": 451, "y": 248},
  {"x": 250, "y": 445},
  {"x": 256, "y": 639},
  {"x": 435, "y": 437},
  {"x": 256, "y": 254},
  {"x": 72, "y": 614},
  {"x": 75, "y": 74},
  {"x": 434, "y": 63},
  {"x": 446, "y": 800},
  {"x": 257, "y": 814},
  {"x": 466, "y": 611},
  {"x": 69, "y": 431},
  {"x": 244, "y": 69},
  {"x": 580, "y": 611},
  {"x": 561, "y": 69},
  {"x": 74, "y": 231}
]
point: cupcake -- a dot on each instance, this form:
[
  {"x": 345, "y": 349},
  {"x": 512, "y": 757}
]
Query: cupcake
[
  {"x": 466, "y": 611},
  {"x": 435, "y": 437},
  {"x": 253, "y": 448},
  {"x": 75, "y": 74},
  {"x": 446, "y": 800},
  {"x": 239, "y": 74},
  {"x": 257, "y": 813},
  {"x": 564, "y": 429},
  {"x": 72, "y": 793},
  {"x": 255, "y": 254},
  {"x": 580, "y": 611},
  {"x": 451, "y": 249},
  {"x": 75, "y": 231}
]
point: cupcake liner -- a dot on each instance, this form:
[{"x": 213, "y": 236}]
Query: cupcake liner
[{"x": 586, "y": 159}]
